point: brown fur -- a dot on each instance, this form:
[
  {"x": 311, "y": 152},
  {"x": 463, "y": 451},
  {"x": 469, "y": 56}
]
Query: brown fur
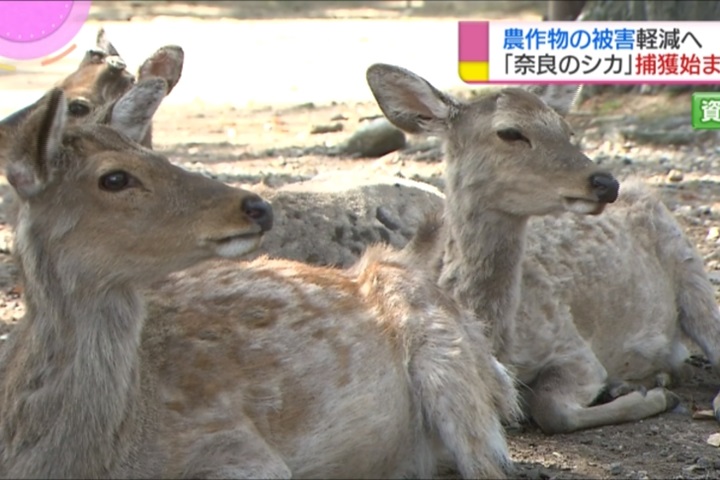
[
  {"x": 78, "y": 393},
  {"x": 259, "y": 370},
  {"x": 364, "y": 373}
]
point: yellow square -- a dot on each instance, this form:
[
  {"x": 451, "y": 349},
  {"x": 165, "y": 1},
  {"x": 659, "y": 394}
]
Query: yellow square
[{"x": 474, "y": 71}]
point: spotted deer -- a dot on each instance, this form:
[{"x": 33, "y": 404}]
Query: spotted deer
[
  {"x": 588, "y": 310},
  {"x": 101, "y": 216},
  {"x": 100, "y": 79},
  {"x": 269, "y": 369}
]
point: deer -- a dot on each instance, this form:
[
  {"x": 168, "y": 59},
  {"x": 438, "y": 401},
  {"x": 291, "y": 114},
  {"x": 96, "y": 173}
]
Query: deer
[
  {"x": 365, "y": 372},
  {"x": 101, "y": 216},
  {"x": 362, "y": 372},
  {"x": 349, "y": 373},
  {"x": 270, "y": 369},
  {"x": 93, "y": 90},
  {"x": 588, "y": 310},
  {"x": 100, "y": 79}
]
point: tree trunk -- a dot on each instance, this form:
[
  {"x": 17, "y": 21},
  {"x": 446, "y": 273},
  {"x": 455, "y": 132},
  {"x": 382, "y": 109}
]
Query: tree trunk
[{"x": 653, "y": 10}]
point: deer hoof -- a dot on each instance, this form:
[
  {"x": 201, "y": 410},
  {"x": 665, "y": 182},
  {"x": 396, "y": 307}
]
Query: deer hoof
[
  {"x": 625, "y": 388},
  {"x": 618, "y": 388}
]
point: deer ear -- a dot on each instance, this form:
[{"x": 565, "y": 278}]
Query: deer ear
[
  {"x": 166, "y": 63},
  {"x": 132, "y": 114},
  {"x": 103, "y": 43},
  {"x": 560, "y": 98},
  {"x": 9, "y": 124},
  {"x": 37, "y": 143},
  {"x": 410, "y": 102}
]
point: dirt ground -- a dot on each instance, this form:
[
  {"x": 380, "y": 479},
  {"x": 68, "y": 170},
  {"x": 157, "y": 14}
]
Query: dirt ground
[{"x": 273, "y": 145}]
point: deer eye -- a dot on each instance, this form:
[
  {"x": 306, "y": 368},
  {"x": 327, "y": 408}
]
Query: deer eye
[
  {"x": 115, "y": 181},
  {"x": 78, "y": 108},
  {"x": 512, "y": 135}
]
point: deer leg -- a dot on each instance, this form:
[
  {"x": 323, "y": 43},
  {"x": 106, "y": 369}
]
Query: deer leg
[
  {"x": 628, "y": 408},
  {"x": 559, "y": 399},
  {"x": 457, "y": 403},
  {"x": 234, "y": 454},
  {"x": 716, "y": 406}
]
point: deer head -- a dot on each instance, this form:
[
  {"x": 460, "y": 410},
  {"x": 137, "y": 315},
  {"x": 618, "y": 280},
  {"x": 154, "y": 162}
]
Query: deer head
[
  {"x": 511, "y": 148},
  {"x": 91, "y": 191}
]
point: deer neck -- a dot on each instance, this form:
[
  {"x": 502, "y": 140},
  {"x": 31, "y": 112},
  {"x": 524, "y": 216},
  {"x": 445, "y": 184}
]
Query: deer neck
[
  {"x": 482, "y": 265},
  {"x": 70, "y": 378}
]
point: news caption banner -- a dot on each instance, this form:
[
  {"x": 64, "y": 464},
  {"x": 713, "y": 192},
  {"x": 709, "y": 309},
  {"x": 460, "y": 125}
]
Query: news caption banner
[{"x": 609, "y": 53}]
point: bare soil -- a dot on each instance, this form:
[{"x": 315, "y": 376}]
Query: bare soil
[{"x": 273, "y": 145}]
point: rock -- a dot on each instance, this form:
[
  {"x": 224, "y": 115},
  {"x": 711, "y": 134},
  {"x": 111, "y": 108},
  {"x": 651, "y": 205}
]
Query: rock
[
  {"x": 703, "y": 414},
  {"x": 319, "y": 129},
  {"x": 374, "y": 139},
  {"x": 301, "y": 107},
  {"x": 713, "y": 234},
  {"x": 6, "y": 242},
  {"x": 675, "y": 176},
  {"x": 332, "y": 218},
  {"x": 702, "y": 463},
  {"x": 535, "y": 474},
  {"x": 692, "y": 469},
  {"x": 615, "y": 469},
  {"x": 675, "y": 130},
  {"x": 714, "y": 440}
]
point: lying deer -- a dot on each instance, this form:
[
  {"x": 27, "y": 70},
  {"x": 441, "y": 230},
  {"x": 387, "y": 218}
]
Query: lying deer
[
  {"x": 100, "y": 79},
  {"x": 359, "y": 372},
  {"x": 264, "y": 370},
  {"x": 582, "y": 307},
  {"x": 80, "y": 395},
  {"x": 362, "y": 372},
  {"x": 316, "y": 372}
]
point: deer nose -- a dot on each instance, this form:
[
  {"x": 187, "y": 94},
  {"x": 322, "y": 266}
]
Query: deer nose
[
  {"x": 259, "y": 210},
  {"x": 605, "y": 187}
]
